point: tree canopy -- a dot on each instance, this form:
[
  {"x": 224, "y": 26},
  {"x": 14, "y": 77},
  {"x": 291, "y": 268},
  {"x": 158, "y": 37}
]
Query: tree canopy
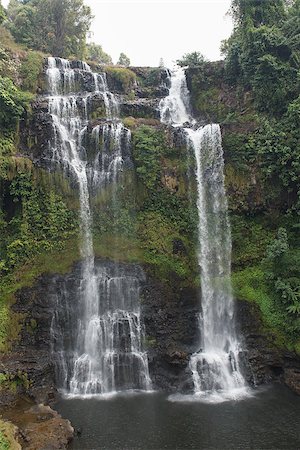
[
  {"x": 2, "y": 14},
  {"x": 97, "y": 54},
  {"x": 123, "y": 60},
  {"x": 194, "y": 59},
  {"x": 263, "y": 54},
  {"x": 58, "y": 27}
]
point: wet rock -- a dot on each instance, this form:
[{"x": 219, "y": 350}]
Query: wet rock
[
  {"x": 152, "y": 92},
  {"x": 263, "y": 362},
  {"x": 144, "y": 108},
  {"x": 47, "y": 430},
  {"x": 29, "y": 373},
  {"x": 170, "y": 316},
  {"x": 153, "y": 77},
  {"x": 292, "y": 379}
]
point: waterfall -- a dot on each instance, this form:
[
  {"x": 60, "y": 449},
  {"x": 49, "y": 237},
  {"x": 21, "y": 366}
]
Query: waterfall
[
  {"x": 215, "y": 366},
  {"x": 175, "y": 108},
  {"x": 97, "y": 340}
]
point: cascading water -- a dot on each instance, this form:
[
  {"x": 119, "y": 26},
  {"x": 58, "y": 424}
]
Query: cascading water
[
  {"x": 175, "y": 108},
  {"x": 215, "y": 366},
  {"x": 99, "y": 348}
]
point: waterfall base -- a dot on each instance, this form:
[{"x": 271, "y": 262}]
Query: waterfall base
[
  {"x": 111, "y": 357},
  {"x": 216, "y": 377}
]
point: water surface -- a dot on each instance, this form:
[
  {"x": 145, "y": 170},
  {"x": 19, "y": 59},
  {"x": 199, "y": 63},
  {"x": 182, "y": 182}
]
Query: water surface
[{"x": 268, "y": 420}]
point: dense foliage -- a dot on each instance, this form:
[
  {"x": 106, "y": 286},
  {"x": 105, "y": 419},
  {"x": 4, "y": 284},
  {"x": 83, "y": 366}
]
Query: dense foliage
[
  {"x": 2, "y": 14},
  {"x": 64, "y": 25},
  {"x": 95, "y": 52},
  {"x": 262, "y": 66},
  {"x": 264, "y": 53},
  {"x": 13, "y": 102},
  {"x": 194, "y": 59},
  {"x": 39, "y": 221},
  {"x": 167, "y": 217},
  {"x": 123, "y": 60}
]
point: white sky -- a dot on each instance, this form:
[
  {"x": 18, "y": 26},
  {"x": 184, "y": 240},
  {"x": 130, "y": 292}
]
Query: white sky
[{"x": 147, "y": 30}]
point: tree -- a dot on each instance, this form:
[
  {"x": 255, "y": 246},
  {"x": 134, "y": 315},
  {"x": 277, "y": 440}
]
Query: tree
[
  {"x": 257, "y": 12},
  {"x": 97, "y": 54},
  {"x": 263, "y": 52},
  {"x": 123, "y": 60},
  {"x": 23, "y": 22},
  {"x": 193, "y": 59},
  {"x": 72, "y": 20},
  {"x": 2, "y": 14},
  {"x": 161, "y": 63},
  {"x": 64, "y": 25}
]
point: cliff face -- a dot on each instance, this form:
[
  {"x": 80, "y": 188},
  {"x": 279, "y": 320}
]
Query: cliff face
[{"x": 153, "y": 225}]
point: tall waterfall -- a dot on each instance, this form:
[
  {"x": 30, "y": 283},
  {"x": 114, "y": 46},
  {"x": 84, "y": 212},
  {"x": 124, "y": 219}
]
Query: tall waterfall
[
  {"x": 215, "y": 366},
  {"x": 98, "y": 342}
]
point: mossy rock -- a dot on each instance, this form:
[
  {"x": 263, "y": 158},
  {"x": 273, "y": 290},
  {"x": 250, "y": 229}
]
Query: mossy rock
[{"x": 120, "y": 79}]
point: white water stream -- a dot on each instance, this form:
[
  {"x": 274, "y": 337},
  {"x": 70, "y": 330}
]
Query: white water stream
[
  {"x": 215, "y": 366},
  {"x": 105, "y": 353}
]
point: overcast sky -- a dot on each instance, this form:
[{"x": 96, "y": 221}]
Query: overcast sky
[{"x": 149, "y": 30}]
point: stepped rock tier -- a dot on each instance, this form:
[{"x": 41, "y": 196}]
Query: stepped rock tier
[{"x": 104, "y": 351}]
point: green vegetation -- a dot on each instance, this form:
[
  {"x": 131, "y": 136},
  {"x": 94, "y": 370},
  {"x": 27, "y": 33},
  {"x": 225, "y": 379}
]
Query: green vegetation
[
  {"x": 123, "y": 78},
  {"x": 2, "y": 14},
  {"x": 255, "y": 96},
  {"x": 123, "y": 60},
  {"x": 30, "y": 70},
  {"x": 41, "y": 221},
  {"x": 149, "y": 213},
  {"x": 64, "y": 25},
  {"x": 8, "y": 436},
  {"x": 4, "y": 444},
  {"x": 166, "y": 215},
  {"x": 263, "y": 52},
  {"x": 13, "y": 103},
  {"x": 35, "y": 222},
  {"x": 12, "y": 382},
  {"x": 283, "y": 274},
  {"x": 194, "y": 59},
  {"x": 249, "y": 284},
  {"x": 95, "y": 53}
]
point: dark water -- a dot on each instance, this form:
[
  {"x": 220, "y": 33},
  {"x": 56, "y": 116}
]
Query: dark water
[{"x": 269, "y": 420}]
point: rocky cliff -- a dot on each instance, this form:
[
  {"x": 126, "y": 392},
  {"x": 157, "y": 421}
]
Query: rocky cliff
[{"x": 155, "y": 228}]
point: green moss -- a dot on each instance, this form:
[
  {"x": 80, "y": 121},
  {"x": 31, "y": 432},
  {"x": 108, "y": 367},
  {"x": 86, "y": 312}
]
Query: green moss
[
  {"x": 11, "y": 382},
  {"x": 124, "y": 78},
  {"x": 118, "y": 248},
  {"x": 130, "y": 122}
]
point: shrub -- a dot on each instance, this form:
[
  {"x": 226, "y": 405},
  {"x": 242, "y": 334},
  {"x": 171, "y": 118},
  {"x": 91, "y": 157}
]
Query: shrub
[{"x": 13, "y": 103}]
